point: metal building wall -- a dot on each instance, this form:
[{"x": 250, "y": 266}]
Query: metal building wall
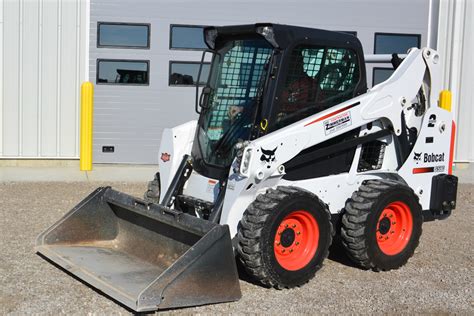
[
  {"x": 131, "y": 118},
  {"x": 456, "y": 44},
  {"x": 42, "y": 63}
]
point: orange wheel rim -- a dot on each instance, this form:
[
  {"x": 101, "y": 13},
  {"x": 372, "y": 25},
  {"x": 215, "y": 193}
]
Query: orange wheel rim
[
  {"x": 394, "y": 228},
  {"x": 296, "y": 240}
]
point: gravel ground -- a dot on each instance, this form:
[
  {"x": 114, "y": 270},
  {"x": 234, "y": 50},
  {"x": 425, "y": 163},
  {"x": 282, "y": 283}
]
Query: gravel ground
[{"x": 438, "y": 279}]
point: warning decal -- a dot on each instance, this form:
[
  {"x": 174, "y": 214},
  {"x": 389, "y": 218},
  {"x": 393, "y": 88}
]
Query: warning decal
[{"x": 337, "y": 123}]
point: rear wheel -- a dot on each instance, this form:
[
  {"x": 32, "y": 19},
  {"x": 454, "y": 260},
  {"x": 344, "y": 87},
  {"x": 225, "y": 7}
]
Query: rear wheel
[
  {"x": 381, "y": 226},
  {"x": 284, "y": 236}
]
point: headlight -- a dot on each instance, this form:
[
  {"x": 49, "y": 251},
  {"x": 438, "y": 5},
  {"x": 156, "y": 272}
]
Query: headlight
[{"x": 245, "y": 162}]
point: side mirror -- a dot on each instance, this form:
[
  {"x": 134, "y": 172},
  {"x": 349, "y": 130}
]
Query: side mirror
[
  {"x": 204, "y": 99},
  {"x": 206, "y": 91}
]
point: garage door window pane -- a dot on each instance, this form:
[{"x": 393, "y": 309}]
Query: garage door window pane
[
  {"x": 123, "y": 35},
  {"x": 122, "y": 72},
  {"x": 186, "y": 73},
  {"x": 380, "y": 75},
  {"x": 187, "y": 37},
  {"x": 395, "y": 43}
]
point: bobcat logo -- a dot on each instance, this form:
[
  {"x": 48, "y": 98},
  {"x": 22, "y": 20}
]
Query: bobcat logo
[
  {"x": 268, "y": 156},
  {"x": 417, "y": 157}
]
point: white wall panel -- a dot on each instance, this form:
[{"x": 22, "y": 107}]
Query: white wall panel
[
  {"x": 456, "y": 43},
  {"x": 465, "y": 142},
  {"x": 11, "y": 65},
  {"x": 49, "y": 79},
  {"x": 1, "y": 78},
  {"x": 43, "y": 65},
  {"x": 69, "y": 84},
  {"x": 29, "y": 79}
]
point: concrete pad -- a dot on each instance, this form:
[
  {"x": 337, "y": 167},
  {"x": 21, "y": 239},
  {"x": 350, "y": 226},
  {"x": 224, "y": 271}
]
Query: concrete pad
[
  {"x": 464, "y": 171},
  {"x": 100, "y": 173},
  {"x": 127, "y": 173}
]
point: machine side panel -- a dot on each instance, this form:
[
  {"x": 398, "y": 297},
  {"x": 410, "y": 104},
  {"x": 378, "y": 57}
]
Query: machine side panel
[
  {"x": 430, "y": 155},
  {"x": 175, "y": 143}
]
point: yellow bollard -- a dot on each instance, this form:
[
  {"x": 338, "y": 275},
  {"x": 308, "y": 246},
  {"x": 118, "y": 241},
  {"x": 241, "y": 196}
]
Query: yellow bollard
[
  {"x": 445, "y": 100},
  {"x": 87, "y": 108}
]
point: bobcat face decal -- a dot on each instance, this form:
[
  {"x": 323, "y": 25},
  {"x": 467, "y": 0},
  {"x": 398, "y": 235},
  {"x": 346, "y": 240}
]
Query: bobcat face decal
[
  {"x": 268, "y": 156},
  {"x": 417, "y": 157}
]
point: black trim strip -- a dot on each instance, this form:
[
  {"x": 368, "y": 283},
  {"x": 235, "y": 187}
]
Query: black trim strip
[{"x": 305, "y": 158}]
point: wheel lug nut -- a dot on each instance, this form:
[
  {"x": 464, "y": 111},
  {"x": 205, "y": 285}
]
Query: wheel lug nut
[
  {"x": 393, "y": 223},
  {"x": 291, "y": 250},
  {"x": 386, "y": 238},
  {"x": 298, "y": 233},
  {"x": 391, "y": 216},
  {"x": 286, "y": 226},
  {"x": 392, "y": 232},
  {"x": 297, "y": 243},
  {"x": 278, "y": 243},
  {"x": 283, "y": 250},
  {"x": 294, "y": 226}
]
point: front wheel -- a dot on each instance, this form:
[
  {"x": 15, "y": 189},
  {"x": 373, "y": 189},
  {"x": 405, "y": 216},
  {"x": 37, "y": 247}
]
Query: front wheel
[{"x": 284, "y": 236}]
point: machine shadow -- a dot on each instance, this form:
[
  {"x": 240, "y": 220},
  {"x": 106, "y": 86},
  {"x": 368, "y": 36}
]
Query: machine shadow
[{"x": 338, "y": 254}]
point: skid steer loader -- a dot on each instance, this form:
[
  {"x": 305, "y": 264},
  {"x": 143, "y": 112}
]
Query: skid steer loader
[{"x": 290, "y": 148}]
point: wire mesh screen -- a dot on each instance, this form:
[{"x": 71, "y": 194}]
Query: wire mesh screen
[
  {"x": 238, "y": 80},
  {"x": 339, "y": 71},
  {"x": 371, "y": 156},
  {"x": 317, "y": 79}
]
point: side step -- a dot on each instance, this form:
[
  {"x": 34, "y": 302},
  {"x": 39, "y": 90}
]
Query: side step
[{"x": 143, "y": 255}]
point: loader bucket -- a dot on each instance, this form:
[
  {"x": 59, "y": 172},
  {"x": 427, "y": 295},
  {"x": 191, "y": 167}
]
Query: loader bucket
[{"x": 143, "y": 255}]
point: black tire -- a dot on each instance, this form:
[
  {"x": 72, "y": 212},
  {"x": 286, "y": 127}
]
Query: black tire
[
  {"x": 152, "y": 193},
  {"x": 365, "y": 225},
  {"x": 258, "y": 230}
]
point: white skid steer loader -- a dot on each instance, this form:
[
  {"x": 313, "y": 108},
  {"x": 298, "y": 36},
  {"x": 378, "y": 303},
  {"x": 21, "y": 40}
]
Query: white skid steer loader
[{"x": 290, "y": 148}]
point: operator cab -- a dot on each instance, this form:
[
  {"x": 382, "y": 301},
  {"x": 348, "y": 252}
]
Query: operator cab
[{"x": 267, "y": 76}]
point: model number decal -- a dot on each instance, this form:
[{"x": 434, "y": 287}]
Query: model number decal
[
  {"x": 337, "y": 123},
  {"x": 428, "y": 169}
]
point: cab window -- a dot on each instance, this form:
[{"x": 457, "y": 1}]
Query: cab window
[{"x": 318, "y": 78}]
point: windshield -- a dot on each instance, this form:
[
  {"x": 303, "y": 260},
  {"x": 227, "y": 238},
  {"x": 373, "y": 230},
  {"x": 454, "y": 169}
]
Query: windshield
[{"x": 237, "y": 74}]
